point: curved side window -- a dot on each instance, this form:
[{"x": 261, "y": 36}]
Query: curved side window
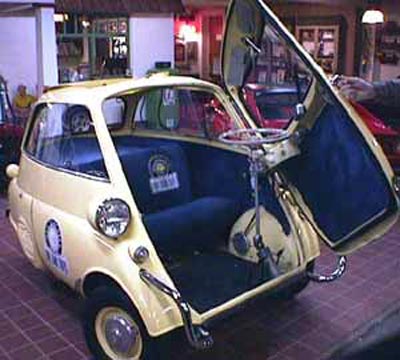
[{"x": 62, "y": 136}]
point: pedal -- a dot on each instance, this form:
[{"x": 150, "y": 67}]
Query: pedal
[{"x": 266, "y": 259}]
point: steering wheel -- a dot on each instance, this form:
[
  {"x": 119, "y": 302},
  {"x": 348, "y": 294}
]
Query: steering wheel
[
  {"x": 77, "y": 120},
  {"x": 253, "y": 137}
]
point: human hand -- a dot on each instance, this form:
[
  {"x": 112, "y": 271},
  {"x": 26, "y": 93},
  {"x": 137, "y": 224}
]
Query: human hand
[{"x": 356, "y": 89}]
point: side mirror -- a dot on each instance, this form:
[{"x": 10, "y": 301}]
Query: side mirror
[{"x": 12, "y": 171}]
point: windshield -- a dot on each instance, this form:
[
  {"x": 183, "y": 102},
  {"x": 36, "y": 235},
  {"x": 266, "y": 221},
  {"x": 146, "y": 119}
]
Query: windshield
[
  {"x": 271, "y": 77},
  {"x": 182, "y": 111},
  {"x": 277, "y": 81}
]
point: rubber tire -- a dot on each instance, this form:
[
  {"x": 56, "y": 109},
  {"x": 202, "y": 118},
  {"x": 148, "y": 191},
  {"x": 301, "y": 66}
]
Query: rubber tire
[{"x": 106, "y": 296}]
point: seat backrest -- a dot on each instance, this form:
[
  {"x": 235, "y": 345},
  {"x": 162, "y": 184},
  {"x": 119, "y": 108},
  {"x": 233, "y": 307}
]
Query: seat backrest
[{"x": 158, "y": 176}]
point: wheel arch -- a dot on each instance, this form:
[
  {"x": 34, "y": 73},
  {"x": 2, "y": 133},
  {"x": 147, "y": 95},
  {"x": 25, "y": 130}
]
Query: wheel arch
[{"x": 96, "y": 278}]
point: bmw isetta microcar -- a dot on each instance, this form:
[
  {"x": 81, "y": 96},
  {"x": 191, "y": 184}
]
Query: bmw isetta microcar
[{"x": 165, "y": 204}]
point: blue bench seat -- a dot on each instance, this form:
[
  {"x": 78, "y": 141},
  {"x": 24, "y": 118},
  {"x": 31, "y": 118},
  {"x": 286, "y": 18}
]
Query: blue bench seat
[
  {"x": 176, "y": 221},
  {"x": 200, "y": 225}
]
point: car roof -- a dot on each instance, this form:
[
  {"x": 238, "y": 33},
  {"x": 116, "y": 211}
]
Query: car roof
[{"x": 87, "y": 92}]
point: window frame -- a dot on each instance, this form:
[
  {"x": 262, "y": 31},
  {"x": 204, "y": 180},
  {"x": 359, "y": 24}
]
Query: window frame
[{"x": 121, "y": 125}]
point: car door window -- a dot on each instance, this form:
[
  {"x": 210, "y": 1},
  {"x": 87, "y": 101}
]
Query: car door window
[
  {"x": 62, "y": 136},
  {"x": 181, "y": 111}
]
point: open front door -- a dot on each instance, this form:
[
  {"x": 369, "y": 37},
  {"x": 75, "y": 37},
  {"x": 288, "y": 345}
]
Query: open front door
[{"x": 341, "y": 180}]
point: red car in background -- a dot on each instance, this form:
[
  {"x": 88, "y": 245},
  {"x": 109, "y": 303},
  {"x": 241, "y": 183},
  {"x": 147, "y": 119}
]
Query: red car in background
[
  {"x": 274, "y": 107},
  {"x": 386, "y": 128}
]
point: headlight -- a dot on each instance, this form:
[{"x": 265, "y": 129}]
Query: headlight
[{"x": 113, "y": 217}]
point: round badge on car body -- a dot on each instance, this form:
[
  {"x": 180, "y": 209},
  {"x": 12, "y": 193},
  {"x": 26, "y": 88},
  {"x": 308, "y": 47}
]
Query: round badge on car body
[
  {"x": 53, "y": 237},
  {"x": 54, "y": 247}
]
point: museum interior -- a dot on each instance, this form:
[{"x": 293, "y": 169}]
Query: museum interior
[{"x": 199, "y": 179}]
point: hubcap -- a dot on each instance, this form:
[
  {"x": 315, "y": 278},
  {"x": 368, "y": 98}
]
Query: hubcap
[
  {"x": 118, "y": 334},
  {"x": 121, "y": 336}
]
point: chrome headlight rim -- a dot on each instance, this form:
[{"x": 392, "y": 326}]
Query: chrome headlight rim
[{"x": 101, "y": 209}]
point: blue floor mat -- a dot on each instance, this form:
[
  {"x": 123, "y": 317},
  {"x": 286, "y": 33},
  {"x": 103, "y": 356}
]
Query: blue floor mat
[{"x": 209, "y": 280}]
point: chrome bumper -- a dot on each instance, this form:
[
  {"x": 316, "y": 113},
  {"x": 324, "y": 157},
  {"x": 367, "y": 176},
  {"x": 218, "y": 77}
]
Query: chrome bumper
[
  {"x": 197, "y": 336},
  {"x": 334, "y": 275}
]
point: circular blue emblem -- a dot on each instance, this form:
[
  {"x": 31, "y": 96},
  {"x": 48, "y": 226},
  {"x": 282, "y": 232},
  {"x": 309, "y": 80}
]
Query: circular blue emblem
[
  {"x": 241, "y": 243},
  {"x": 53, "y": 237}
]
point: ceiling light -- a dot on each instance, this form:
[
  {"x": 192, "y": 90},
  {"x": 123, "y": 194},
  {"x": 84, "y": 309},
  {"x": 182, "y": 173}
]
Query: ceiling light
[
  {"x": 373, "y": 16},
  {"x": 60, "y": 17}
]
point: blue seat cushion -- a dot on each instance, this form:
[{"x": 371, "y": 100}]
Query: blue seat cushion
[{"x": 202, "y": 224}]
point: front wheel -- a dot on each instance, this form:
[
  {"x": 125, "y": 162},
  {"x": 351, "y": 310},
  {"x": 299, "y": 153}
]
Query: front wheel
[{"x": 114, "y": 330}]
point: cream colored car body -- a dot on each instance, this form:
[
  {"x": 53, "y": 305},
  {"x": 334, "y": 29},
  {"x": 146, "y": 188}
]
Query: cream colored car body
[{"x": 72, "y": 199}]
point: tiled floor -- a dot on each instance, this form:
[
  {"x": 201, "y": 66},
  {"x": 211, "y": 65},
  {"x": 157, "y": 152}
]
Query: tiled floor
[{"x": 39, "y": 319}]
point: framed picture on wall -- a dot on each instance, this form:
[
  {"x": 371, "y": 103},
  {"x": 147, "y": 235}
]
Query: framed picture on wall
[
  {"x": 179, "y": 52},
  {"x": 192, "y": 51},
  {"x": 324, "y": 37},
  {"x": 322, "y": 42}
]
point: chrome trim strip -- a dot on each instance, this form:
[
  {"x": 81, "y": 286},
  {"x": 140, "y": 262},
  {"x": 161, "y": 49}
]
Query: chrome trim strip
[
  {"x": 396, "y": 184},
  {"x": 66, "y": 171},
  {"x": 336, "y": 274},
  {"x": 197, "y": 336},
  {"x": 358, "y": 228},
  {"x": 250, "y": 43}
]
